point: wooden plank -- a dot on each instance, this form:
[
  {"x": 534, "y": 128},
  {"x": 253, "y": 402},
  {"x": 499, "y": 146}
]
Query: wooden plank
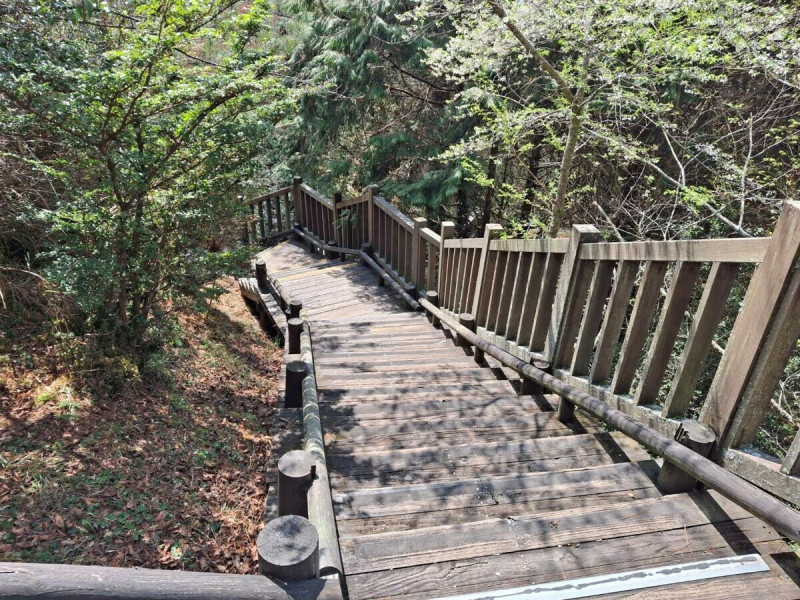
[
  {"x": 701, "y": 333},
  {"x": 417, "y": 465},
  {"x": 312, "y": 193},
  {"x": 486, "y": 265},
  {"x": 612, "y": 323},
  {"x": 460, "y": 243},
  {"x": 763, "y": 472},
  {"x": 677, "y": 301},
  {"x": 393, "y": 213},
  {"x": 517, "y": 302},
  {"x": 362, "y": 512},
  {"x": 544, "y": 306},
  {"x": 506, "y": 293},
  {"x": 496, "y": 287},
  {"x": 431, "y": 237},
  {"x": 593, "y": 318},
  {"x": 418, "y": 253},
  {"x": 499, "y": 536},
  {"x": 636, "y": 333},
  {"x": 780, "y": 344},
  {"x": 751, "y": 327},
  {"x": 573, "y": 313},
  {"x": 590, "y": 557},
  {"x": 580, "y": 234},
  {"x": 555, "y": 245},
  {"x": 353, "y": 201},
  {"x": 531, "y": 298},
  {"x": 734, "y": 250}
]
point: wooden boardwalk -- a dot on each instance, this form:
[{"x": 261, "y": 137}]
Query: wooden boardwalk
[{"x": 446, "y": 481}]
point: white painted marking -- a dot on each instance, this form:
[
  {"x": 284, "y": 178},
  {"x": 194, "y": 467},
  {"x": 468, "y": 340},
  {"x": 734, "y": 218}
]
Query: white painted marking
[{"x": 586, "y": 587}]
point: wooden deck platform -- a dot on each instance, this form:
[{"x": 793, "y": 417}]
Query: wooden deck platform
[{"x": 445, "y": 481}]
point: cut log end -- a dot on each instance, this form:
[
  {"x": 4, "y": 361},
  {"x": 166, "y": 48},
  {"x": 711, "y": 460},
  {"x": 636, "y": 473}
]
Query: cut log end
[{"x": 288, "y": 549}]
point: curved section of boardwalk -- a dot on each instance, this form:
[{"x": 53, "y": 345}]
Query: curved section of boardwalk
[{"x": 446, "y": 481}]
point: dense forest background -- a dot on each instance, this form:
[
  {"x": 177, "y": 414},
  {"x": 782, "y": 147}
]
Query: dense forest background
[{"x": 132, "y": 131}]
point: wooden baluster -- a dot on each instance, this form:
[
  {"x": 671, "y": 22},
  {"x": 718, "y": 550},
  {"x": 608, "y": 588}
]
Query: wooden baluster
[
  {"x": 278, "y": 219},
  {"x": 472, "y": 274},
  {"x": 518, "y": 299},
  {"x": 531, "y": 297},
  {"x": 418, "y": 253},
  {"x": 458, "y": 282},
  {"x": 778, "y": 347},
  {"x": 544, "y": 306},
  {"x": 486, "y": 267},
  {"x": 506, "y": 293},
  {"x": 573, "y": 313},
  {"x": 701, "y": 334},
  {"x": 287, "y": 212},
  {"x": 752, "y": 326},
  {"x": 612, "y": 322},
  {"x": 372, "y": 191},
  {"x": 501, "y": 267},
  {"x": 452, "y": 278},
  {"x": 679, "y": 295},
  {"x": 299, "y": 214},
  {"x": 447, "y": 231},
  {"x": 339, "y": 230},
  {"x": 262, "y": 224},
  {"x": 433, "y": 263},
  {"x": 636, "y": 332},
  {"x": 593, "y": 317},
  {"x": 580, "y": 234},
  {"x": 270, "y": 228},
  {"x": 253, "y": 236}
]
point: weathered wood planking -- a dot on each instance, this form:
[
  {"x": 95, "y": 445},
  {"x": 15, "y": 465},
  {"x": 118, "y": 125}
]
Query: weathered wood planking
[{"x": 438, "y": 468}]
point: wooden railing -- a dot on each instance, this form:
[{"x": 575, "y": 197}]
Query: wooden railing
[{"x": 636, "y": 324}]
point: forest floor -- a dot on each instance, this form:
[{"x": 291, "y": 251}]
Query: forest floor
[{"x": 168, "y": 473}]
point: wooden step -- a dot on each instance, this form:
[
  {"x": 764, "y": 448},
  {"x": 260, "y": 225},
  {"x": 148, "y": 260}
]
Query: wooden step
[
  {"x": 451, "y": 463},
  {"x": 503, "y": 536},
  {"x": 377, "y": 510},
  {"x": 602, "y": 555},
  {"x": 351, "y": 436},
  {"x": 342, "y": 394}
]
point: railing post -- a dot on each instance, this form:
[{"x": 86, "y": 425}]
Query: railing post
[
  {"x": 296, "y": 471},
  {"x": 253, "y": 235},
  {"x": 288, "y": 549},
  {"x": 447, "y": 232},
  {"x": 418, "y": 253},
  {"x": 566, "y": 301},
  {"x": 755, "y": 355},
  {"x": 262, "y": 224},
  {"x": 296, "y": 371},
  {"x": 697, "y": 437},
  {"x": 492, "y": 231},
  {"x": 372, "y": 191},
  {"x": 298, "y": 205},
  {"x": 338, "y": 229}
]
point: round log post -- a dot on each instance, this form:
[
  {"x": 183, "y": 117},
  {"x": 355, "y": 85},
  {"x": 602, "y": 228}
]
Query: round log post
[
  {"x": 367, "y": 249},
  {"x": 468, "y": 321},
  {"x": 695, "y": 436},
  {"x": 295, "y": 373},
  {"x": 288, "y": 549},
  {"x": 296, "y": 472},
  {"x": 528, "y": 387},
  {"x": 332, "y": 254},
  {"x": 411, "y": 290},
  {"x": 295, "y": 329},
  {"x": 295, "y": 306},
  {"x": 433, "y": 298},
  {"x": 261, "y": 274}
]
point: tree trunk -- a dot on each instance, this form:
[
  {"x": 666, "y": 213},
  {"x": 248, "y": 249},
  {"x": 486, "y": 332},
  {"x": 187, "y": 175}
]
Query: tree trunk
[
  {"x": 560, "y": 201},
  {"x": 491, "y": 171},
  {"x": 462, "y": 213}
]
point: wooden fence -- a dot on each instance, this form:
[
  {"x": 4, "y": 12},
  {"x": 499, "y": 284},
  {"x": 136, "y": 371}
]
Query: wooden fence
[{"x": 636, "y": 324}]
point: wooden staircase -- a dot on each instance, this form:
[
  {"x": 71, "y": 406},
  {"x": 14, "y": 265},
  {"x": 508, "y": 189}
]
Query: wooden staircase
[{"x": 446, "y": 481}]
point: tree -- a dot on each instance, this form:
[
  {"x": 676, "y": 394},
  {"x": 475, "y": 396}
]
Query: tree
[
  {"x": 158, "y": 109},
  {"x": 644, "y": 91}
]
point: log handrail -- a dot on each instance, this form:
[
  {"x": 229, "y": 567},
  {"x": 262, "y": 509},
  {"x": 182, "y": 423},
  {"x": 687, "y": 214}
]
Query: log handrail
[{"x": 739, "y": 491}]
